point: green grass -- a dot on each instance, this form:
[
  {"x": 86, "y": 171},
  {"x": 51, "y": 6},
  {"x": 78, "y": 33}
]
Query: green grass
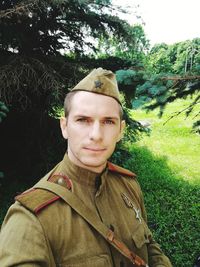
[
  {"x": 174, "y": 140},
  {"x": 167, "y": 166}
]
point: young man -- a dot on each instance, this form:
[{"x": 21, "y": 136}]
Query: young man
[{"x": 86, "y": 212}]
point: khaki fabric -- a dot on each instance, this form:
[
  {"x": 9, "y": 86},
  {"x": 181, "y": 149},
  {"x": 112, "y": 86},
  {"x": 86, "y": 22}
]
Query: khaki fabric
[
  {"x": 100, "y": 81},
  {"x": 43, "y": 230}
]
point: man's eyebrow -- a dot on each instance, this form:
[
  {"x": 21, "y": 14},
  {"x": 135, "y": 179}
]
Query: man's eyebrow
[
  {"x": 82, "y": 116},
  {"x": 104, "y": 118}
]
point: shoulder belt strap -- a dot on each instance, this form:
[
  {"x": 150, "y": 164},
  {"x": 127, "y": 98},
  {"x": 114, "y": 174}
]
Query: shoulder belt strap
[{"x": 92, "y": 219}]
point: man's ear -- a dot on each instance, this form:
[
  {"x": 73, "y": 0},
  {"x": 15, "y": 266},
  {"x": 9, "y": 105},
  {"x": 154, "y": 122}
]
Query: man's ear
[
  {"x": 122, "y": 128},
  {"x": 63, "y": 126}
]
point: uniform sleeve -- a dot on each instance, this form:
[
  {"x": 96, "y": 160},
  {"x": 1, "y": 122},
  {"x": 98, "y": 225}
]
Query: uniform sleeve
[
  {"x": 22, "y": 241},
  {"x": 155, "y": 254}
]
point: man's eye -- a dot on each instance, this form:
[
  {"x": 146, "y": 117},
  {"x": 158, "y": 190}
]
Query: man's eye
[
  {"x": 109, "y": 122},
  {"x": 83, "y": 120}
]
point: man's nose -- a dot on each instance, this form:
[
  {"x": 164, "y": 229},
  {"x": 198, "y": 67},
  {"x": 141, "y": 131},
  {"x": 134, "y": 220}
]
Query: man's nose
[{"x": 96, "y": 132}]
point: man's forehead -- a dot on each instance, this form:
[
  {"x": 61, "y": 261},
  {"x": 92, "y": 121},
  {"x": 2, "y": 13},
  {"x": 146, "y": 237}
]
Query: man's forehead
[
  {"x": 91, "y": 96},
  {"x": 89, "y": 104},
  {"x": 87, "y": 112}
]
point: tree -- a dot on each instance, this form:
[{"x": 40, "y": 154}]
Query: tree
[
  {"x": 133, "y": 50},
  {"x": 3, "y": 113},
  {"x": 32, "y": 36},
  {"x": 159, "y": 59},
  {"x": 172, "y": 72},
  {"x": 35, "y": 73},
  {"x": 132, "y": 53}
]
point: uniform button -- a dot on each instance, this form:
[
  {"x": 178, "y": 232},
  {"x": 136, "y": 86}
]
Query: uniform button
[
  {"x": 64, "y": 183},
  {"x": 61, "y": 182}
]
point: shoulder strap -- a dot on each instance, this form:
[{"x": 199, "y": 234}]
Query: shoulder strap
[{"x": 92, "y": 219}]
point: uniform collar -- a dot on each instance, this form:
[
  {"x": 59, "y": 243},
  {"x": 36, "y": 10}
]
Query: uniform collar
[{"x": 79, "y": 174}]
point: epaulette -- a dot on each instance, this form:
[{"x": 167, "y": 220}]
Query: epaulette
[
  {"x": 37, "y": 199},
  {"x": 115, "y": 168}
]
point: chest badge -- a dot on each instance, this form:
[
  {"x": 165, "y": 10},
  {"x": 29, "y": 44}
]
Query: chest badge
[{"x": 130, "y": 205}]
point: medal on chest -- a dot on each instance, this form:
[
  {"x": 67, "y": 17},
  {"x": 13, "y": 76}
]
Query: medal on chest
[{"x": 131, "y": 205}]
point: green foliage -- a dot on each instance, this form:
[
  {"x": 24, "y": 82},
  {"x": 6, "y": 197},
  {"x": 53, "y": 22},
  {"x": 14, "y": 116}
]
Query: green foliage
[
  {"x": 172, "y": 138},
  {"x": 152, "y": 89},
  {"x": 35, "y": 75},
  {"x": 158, "y": 59},
  {"x": 30, "y": 83},
  {"x": 196, "y": 126},
  {"x": 177, "y": 58},
  {"x": 31, "y": 38},
  {"x": 133, "y": 48},
  {"x": 159, "y": 92},
  {"x": 167, "y": 166},
  {"x": 133, "y": 132},
  {"x": 187, "y": 56},
  {"x": 172, "y": 205},
  {"x": 125, "y": 77},
  {"x": 128, "y": 80},
  {"x": 171, "y": 72},
  {"x": 46, "y": 26}
]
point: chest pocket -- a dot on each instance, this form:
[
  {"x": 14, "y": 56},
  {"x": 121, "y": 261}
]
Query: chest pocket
[
  {"x": 141, "y": 239},
  {"x": 141, "y": 236},
  {"x": 95, "y": 261}
]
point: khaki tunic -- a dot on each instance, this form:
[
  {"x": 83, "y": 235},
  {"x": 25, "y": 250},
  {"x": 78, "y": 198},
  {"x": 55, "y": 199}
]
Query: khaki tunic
[{"x": 40, "y": 229}]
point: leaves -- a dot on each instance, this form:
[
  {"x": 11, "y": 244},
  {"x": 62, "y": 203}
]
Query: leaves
[
  {"x": 125, "y": 76},
  {"x": 48, "y": 26}
]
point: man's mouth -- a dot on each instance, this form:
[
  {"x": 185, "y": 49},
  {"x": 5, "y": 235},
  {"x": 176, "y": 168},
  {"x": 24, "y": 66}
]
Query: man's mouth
[{"x": 94, "y": 149}]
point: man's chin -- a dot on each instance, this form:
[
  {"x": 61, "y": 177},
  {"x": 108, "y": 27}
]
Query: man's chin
[
  {"x": 94, "y": 164},
  {"x": 90, "y": 162}
]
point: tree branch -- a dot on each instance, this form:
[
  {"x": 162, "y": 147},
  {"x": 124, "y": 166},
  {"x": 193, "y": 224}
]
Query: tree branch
[
  {"x": 175, "y": 78},
  {"x": 16, "y": 9}
]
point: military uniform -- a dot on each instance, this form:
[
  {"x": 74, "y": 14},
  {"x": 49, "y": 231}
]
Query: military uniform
[{"x": 40, "y": 229}]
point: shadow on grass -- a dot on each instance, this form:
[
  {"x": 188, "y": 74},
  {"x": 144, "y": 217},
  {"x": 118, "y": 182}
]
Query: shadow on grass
[{"x": 173, "y": 206}]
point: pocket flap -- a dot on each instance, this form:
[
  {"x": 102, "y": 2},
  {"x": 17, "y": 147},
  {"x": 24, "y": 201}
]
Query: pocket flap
[{"x": 140, "y": 236}]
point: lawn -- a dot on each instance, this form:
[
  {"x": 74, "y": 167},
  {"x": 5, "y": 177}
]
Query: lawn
[
  {"x": 174, "y": 140},
  {"x": 167, "y": 166}
]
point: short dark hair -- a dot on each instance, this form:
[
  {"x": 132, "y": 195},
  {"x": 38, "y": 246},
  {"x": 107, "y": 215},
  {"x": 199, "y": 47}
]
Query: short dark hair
[{"x": 68, "y": 100}]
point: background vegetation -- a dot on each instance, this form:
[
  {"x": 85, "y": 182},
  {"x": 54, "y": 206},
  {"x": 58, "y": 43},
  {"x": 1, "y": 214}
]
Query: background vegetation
[
  {"x": 46, "y": 47},
  {"x": 167, "y": 164}
]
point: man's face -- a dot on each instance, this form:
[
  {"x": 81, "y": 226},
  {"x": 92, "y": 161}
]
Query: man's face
[{"x": 92, "y": 128}]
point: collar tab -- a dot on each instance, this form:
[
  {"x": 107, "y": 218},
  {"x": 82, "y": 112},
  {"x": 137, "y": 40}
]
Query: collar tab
[
  {"x": 62, "y": 180},
  {"x": 115, "y": 168}
]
